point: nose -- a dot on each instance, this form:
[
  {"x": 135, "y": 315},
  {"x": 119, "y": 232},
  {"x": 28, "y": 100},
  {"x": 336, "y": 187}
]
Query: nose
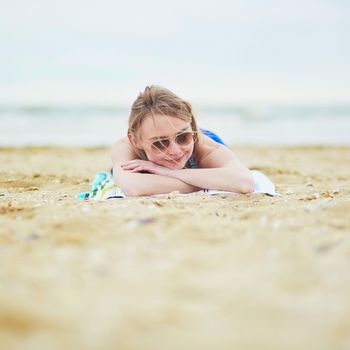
[{"x": 174, "y": 148}]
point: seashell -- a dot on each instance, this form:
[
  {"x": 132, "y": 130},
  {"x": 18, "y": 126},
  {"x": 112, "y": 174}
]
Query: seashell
[
  {"x": 328, "y": 194},
  {"x": 173, "y": 194},
  {"x": 32, "y": 237},
  {"x": 146, "y": 220}
]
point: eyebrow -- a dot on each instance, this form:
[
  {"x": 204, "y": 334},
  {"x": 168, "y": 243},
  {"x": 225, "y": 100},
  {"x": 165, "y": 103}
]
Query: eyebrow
[{"x": 166, "y": 137}]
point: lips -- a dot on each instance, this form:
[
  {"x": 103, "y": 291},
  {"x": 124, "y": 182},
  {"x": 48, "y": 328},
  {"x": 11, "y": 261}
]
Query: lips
[{"x": 176, "y": 160}]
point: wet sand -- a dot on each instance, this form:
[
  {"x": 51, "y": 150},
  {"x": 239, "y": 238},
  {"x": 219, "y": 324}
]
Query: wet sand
[{"x": 175, "y": 272}]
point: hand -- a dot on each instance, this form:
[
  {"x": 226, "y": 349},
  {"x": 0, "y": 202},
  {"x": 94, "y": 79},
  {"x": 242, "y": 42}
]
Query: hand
[{"x": 138, "y": 165}]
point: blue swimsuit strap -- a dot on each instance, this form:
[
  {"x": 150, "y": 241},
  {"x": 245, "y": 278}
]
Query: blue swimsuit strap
[
  {"x": 191, "y": 162},
  {"x": 213, "y": 136}
]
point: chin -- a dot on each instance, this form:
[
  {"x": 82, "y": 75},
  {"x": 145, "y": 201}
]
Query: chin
[
  {"x": 171, "y": 164},
  {"x": 177, "y": 166}
]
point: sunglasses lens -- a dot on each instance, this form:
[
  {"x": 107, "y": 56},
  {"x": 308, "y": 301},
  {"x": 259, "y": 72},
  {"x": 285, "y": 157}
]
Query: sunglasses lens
[
  {"x": 161, "y": 145},
  {"x": 185, "y": 138},
  {"x": 182, "y": 139}
]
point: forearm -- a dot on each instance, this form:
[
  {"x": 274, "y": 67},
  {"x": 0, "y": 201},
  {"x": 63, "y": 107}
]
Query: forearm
[
  {"x": 138, "y": 184},
  {"x": 225, "y": 179}
]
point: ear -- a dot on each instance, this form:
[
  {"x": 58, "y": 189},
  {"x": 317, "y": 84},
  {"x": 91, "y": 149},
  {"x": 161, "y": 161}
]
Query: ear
[{"x": 133, "y": 140}]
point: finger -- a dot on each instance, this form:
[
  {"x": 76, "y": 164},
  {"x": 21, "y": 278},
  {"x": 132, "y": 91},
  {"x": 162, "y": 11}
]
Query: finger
[
  {"x": 137, "y": 169},
  {"x": 131, "y": 169},
  {"x": 128, "y": 166}
]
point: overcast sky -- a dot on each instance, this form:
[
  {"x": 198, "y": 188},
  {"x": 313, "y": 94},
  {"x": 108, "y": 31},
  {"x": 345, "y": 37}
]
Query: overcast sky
[{"x": 245, "y": 51}]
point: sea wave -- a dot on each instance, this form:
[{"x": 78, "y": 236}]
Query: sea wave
[
  {"x": 100, "y": 126},
  {"x": 248, "y": 112}
]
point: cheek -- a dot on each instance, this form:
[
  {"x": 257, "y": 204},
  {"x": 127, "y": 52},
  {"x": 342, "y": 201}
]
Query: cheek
[
  {"x": 155, "y": 158},
  {"x": 160, "y": 159}
]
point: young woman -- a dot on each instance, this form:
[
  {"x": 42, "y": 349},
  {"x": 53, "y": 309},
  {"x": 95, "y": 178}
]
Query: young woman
[{"x": 165, "y": 151}]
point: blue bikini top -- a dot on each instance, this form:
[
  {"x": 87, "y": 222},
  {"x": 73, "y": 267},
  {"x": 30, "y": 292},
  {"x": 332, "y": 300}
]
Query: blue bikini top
[{"x": 191, "y": 162}]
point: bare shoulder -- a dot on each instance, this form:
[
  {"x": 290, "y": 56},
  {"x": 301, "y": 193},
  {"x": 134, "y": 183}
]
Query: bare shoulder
[
  {"x": 122, "y": 151},
  {"x": 211, "y": 154}
]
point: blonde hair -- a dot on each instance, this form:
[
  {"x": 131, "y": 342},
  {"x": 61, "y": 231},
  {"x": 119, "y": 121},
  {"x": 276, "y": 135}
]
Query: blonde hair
[{"x": 157, "y": 100}]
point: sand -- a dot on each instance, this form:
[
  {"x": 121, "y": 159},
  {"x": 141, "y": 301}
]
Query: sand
[{"x": 175, "y": 272}]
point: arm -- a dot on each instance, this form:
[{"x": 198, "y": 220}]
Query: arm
[
  {"x": 139, "y": 184},
  {"x": 226, "y": 178},
  {"x": 219, "y": 168}
]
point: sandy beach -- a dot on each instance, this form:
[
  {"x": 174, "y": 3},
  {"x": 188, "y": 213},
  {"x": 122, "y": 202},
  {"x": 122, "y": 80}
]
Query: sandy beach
[{"x": 175, "y": 272}]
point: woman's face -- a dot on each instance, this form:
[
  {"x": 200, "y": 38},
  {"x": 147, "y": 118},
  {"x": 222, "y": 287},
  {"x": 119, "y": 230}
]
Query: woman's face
[{"x": 175, "y": 155}]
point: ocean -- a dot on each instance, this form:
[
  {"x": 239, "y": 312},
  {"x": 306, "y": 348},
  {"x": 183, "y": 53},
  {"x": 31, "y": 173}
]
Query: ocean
[{"x": 74, "y": 125}]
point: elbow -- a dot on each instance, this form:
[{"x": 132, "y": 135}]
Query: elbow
[
  {"x": 247, "y": 189},
  {"x": 131, "y": 192},
  {"x": 130, "y": 188},
  {"x": 135, "y": 191},
  {"x": 248, "y": 185}
]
